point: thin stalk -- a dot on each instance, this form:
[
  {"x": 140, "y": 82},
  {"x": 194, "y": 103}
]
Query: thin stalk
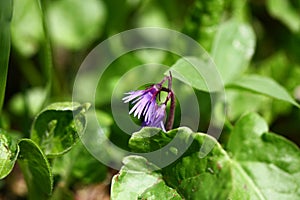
[
  {"x": 171, "y": 112},
  {"x": 47, "y": 50}
]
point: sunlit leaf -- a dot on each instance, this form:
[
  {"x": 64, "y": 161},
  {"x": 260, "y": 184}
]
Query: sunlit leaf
[
  {"x": 233, "y": 48},
  {"x": 192, "y": 176},
  {"x": 160, "y": 191},
  {"x": 138, "y": 178},
  {"x": 263, "y": 85},
  {"x": 8, "y": 153},
  {"x": 200, "y": 73},
  {"x": 58, "y": 127},
  {"x": 265, "y": 165},
  {"x": 259, "y": 165}
]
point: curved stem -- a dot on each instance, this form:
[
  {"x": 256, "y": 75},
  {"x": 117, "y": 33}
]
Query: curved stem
[{"x": 171, "y": 112}]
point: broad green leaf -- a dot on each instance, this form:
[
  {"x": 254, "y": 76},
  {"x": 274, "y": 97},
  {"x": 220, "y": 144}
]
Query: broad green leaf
[
  {"x": 233, "y": 48},
  {"x": 36, "y": 170},
  {"x": 8, "y": 153},
  {"x": 5, "y": 19},
  {"x": 79, "y": 21},
  {"x": 58, "y": 127},
  {"x": 263, "y": 85},
  {"x": 160, "y": 191},
  {"x": 200, "y": 73},
  {"x": 27, "y": 27},
  {"x": 285, "y": 12},
  {"x": 136, "y": 177},
  {"x": 265, "y": 165},
  {"x": 192, "y": 176}
]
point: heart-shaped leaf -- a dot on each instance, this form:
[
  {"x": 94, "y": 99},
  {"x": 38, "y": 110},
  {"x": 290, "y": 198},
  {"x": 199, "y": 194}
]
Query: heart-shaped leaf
[
  {"x": 191, "y": 174},
  {"x": 265, "y": 165}
]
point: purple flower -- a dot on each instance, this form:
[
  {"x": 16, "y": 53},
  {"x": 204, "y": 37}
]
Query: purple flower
[
  {"x": 157, "y": 117},
  {"x": 144, "y": 100},
  {"x": 146, "y": 106}
]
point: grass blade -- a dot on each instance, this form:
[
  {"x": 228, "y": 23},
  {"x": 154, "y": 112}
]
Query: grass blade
[{"x": 5, "y": 19}]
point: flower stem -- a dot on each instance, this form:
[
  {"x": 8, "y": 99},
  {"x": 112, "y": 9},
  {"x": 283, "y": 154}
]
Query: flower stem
[{"x": 171, "y": 112}]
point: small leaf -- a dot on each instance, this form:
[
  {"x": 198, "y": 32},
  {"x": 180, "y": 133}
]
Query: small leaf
[
  {"x": 263, "y": 85},
  {"x": 134, "y": 178},
  {"x": 265, "y": 165},
  {"x": 233, "y": 48},
  {"x": 8, "y": 153},
  {"x": 58, "y": 127},
  {"x": 36, "y": 170},
  {"x": 200, "y": 73}
]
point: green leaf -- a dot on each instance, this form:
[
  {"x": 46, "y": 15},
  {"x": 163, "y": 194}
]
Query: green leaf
[
  {"x": 58, "y": 127},
  {"x": 5, "y": 19},
  {"x": 135, "y": 177},
  {"x": 263, "y": 85},
  {"x": 285, "y": 12},
  {"x": 8, "y": 153},
  {"x": 36, "y": 170},
  {"x": 265, "y": 165},
  {"x": 193, "y": 175},
  {"x": 80, "y": 22},
  {"x": 233, "y": 48},
  {"x": 200, "y": 73},
  {"x": 160, "y": 191}
]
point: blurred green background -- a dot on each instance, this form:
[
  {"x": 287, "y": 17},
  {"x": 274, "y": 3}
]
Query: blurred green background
[{"x": 48, "y": 47}]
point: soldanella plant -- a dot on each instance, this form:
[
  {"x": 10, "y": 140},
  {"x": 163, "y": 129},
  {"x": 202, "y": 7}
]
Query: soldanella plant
[
  {"x": 147, "y": 104},
  {"x": 106, "y": 99}
]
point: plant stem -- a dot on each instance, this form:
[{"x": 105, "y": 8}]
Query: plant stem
[
  {"x": 172, "y": 112},
  {"x": 47, "y": 50}
]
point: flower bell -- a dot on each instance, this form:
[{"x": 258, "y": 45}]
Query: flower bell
[{"x": 147, "y": 104}]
